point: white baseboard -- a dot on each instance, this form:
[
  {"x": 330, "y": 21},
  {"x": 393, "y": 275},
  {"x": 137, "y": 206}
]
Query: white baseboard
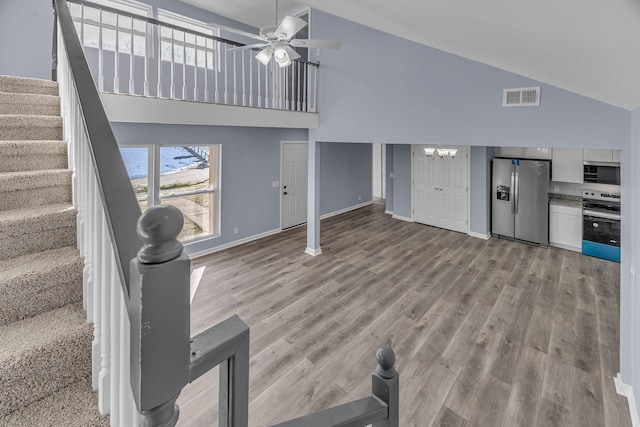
[
  {"x": 345, "y": 210},
  {"x": 388, "y": 212},
  {"x": 313, "y": 252},
  {"x": 479, "y": 235},
  {"x": 566, "y": 247},
  {"x": 627, "y": 391},
  {"x": 402, "y": 218},
  {"x": 234, "y": 243}
]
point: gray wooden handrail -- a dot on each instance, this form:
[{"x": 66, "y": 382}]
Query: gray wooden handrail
[
  {"x": 119, "y": 200},
  {"x": 380, "y": 410}
]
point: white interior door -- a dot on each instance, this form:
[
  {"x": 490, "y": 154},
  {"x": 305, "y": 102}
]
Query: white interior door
[
  {"x": 294, "y": 183},
  {"x": 439, "y": 192}
]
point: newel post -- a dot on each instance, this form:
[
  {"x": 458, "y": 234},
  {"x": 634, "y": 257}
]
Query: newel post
[
  {"x": 385, "y": 385},
  {"x": 159, "y": 312},
  {"x": 54, "y": 44}
]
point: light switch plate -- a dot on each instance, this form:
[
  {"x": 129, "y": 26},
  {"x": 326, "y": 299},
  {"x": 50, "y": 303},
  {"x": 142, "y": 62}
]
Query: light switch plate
[{"x": 275, "y": 184}]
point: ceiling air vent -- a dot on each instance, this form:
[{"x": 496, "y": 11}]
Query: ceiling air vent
[{"x": 521, "y": 97}]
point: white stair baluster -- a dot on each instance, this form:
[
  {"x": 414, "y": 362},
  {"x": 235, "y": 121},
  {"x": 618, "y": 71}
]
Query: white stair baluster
[
  {"x": 146, "y": 59},
  {"x": 304, "y": 88},
  {"x": 235, "y": 75},
  {"x": 244, "y": 78},
  {"x": 195, "y": 70},
  {"x": 250, "y": 80},
  {"x": 116, "y": 61},
  {"x": 206, "y": 71},
  {"x": 159, "y": 94},
  {"x": 298, "y": 91},
  {"x": 224, "y": 71},
  {"x": 216, "y": 67},
  {"x": 172, "y": 92},
  {"x": 116, "y": 299},
  {"x": 259, "y": 92},
  {"x": 100, "y": 56},
  {"x": 104, "y": 381},
  {"x": 184, "y": 65}
]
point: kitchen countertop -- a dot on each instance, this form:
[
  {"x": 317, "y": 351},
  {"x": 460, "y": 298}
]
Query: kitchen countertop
[{"x": 565, "y": 200}]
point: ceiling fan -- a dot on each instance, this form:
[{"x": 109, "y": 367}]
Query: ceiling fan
[{"x": 277, "y": 41}]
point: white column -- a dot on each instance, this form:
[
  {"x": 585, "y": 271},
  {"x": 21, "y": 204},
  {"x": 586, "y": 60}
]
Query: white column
[{"x": 313, "y": 200}]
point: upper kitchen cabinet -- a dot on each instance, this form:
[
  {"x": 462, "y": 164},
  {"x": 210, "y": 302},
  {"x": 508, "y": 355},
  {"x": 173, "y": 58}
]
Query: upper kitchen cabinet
[
  {"x": 566, "y": 165},
  {"x": 617, "y": 154},
  {"x": 514, "y": 152},
  {"x": 525, "y": 153},
  {"x": 591, "y": 155},
  {"x": 537, "y": 153}
]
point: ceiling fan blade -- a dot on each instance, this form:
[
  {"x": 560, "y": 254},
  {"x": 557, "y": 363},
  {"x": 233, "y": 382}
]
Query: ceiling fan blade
[
  {"x": 314, "y": 43},
  {"x": 293, "y": 55},
  {"x": 290, "y": 26},
  {"x": 249, "y": 46}
]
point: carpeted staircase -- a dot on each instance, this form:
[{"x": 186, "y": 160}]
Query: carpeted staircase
[{"x": 45, "y": 350}]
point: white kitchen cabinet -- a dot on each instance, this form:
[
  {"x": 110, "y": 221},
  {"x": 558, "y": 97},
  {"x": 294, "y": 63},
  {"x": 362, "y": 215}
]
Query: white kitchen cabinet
[
  {"x": 565, "y": 227},
  {"x": 515, "y": 152},
  {"x": 591, "y": 155},
  {"x": 566, "y": 165},
  {"x": 537, "y": 153},
  {"x": 617, "y": 155}
]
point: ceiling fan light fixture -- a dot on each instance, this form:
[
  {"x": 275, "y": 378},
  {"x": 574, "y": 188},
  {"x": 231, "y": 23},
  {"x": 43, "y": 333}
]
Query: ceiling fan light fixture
[
  {"x": 264, "y": 56},
  {"x": 285, "y": 63},
  {"x": 280, "y": 54}
]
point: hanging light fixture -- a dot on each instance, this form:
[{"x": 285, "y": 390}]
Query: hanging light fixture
[
  {"x": 281, "y": 56},
  {"x": 264, "y": 56},
  {"x": 444, "y": 154}
]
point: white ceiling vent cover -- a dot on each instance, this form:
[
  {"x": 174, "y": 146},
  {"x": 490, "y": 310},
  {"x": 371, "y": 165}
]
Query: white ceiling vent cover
[{"x": 521, "y": 97}]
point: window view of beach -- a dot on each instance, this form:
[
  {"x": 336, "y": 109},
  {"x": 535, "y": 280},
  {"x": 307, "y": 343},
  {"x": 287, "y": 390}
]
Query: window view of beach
[{"x": 187, "y": 180}]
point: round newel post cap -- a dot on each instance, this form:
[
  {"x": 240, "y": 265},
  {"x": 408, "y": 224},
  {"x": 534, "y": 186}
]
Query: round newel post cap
[
  {"x": 386, "y": 359},
  {"x": 158, "y": 229}
]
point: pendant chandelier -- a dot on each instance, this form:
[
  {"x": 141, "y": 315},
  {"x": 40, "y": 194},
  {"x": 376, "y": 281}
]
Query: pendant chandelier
[{"x": 444, "y": 154}]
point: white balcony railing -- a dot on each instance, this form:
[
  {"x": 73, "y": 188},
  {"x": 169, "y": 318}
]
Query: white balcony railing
[{"x": 136, "y": 55}]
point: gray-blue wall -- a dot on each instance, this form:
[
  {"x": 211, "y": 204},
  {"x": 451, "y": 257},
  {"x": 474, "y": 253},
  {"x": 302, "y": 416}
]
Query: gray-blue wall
[
  {"x": 480, "y": 198},
  {"x": 389, "y": 177},
  {"x": 629, "y": 293},
  {"x": 345, "y": 176},
  {"x": 402, "y": 180},
  {"x": 382, "y": 88},
  {"x": 26, "y": 28},
  {"x": 250, "y": 163}
]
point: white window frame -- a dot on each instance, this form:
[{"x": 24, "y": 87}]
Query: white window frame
[
  {"x": 210, "y": 46},
  {"x": 153, "y": 184},
  {"x": 128, "y": 6}
]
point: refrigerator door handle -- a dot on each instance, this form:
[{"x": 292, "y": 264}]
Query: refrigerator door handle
[
  {"x": 512, "y": 190},
  {"x": 517, "y": 191}
]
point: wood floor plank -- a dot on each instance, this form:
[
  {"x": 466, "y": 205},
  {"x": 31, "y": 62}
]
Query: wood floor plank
[{"x": 486, "y": 333}]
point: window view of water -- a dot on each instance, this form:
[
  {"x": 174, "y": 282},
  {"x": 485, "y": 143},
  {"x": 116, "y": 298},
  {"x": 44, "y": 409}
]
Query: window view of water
[{"x": 171, "y": 159}]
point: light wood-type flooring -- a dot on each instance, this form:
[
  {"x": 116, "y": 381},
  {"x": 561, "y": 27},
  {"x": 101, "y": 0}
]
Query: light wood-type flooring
[{"x": 486, "y": 333}]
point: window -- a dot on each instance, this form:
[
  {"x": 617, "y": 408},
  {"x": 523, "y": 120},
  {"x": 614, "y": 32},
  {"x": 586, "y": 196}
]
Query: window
[
  {"x": 186, "y": 46},
  {"x": 88, "y": 21},
  {"x": 186, "y": 177}
]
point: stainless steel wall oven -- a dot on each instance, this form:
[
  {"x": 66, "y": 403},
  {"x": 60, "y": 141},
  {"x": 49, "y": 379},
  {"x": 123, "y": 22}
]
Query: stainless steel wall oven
[{"x": 601, "y": 224}]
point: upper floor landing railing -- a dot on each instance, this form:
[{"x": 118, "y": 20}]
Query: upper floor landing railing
[{"x": 137, "y": 55}]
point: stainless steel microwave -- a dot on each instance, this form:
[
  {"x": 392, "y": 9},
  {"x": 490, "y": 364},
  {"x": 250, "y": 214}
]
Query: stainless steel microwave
[{"x": 602, "y": 173}]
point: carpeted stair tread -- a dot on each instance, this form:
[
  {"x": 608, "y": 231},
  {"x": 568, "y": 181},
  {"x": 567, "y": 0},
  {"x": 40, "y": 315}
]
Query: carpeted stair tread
[
  {"x": 30, "y": 127},
  {"x": 25, "y": 189},
  {"x": 35, "y": 283},
  {"x": 27, "y": 85},
  {"x": 42, "y": 354},
  {"x": 73, "y": 406},
  {"x": 31, "y": 230},
  {"x": 29, "y": 103},
  {"x": 16, "y": 156}
]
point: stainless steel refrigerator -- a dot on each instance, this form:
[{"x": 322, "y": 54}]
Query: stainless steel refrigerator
[{"x": 520, "y": 200}]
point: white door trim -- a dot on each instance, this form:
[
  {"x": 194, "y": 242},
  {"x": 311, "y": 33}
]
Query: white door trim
[
  {"x": 281, "y": 175},
  {"x": 416, "y": 146}
]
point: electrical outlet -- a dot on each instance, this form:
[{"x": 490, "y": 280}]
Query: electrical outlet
[
  {"x": 235, "y": 230},
  {"x": 359, "y": 197},
  {"x": 556, "y": 188},
  {"x": 390, "y": 174},
  {"x": 275, "y": 184}
]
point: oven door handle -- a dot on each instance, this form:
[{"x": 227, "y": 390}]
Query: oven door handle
[{"x": 599, "y": 214}]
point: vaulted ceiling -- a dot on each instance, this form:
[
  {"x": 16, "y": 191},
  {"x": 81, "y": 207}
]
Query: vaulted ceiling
[{"x": 591, "y": 47}]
